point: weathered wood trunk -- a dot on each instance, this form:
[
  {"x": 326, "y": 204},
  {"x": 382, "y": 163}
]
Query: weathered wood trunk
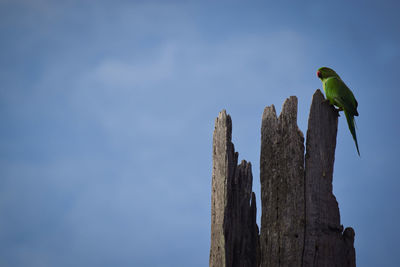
[
  {"x": 282, "y": 187},
  {"x": 325, "y": 242},
  {"x": 234, "y": 232},
  {"x": 300, "y": 220}
]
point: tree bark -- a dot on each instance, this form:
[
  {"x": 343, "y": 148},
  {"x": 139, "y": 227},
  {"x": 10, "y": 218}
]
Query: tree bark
[
  {"x": 326, "y": 244},
  {"x": 282, "y": 187},
  {"x": 234, "y": 232}
]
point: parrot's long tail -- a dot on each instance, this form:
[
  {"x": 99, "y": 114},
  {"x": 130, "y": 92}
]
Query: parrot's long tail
[{"x": 351, "y": 123}]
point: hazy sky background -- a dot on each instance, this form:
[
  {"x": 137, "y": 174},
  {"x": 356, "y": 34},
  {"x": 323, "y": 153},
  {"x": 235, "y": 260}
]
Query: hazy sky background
[{"x": 107, "y": 110}]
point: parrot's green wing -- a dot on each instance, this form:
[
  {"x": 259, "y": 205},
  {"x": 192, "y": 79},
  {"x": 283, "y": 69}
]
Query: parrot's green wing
[{"x": 340, "y": 95}]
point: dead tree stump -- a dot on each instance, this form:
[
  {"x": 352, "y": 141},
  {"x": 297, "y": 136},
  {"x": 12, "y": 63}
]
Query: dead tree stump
[
  {"x": 234, "y": 232},
  {"x": 282, "y": 187},
  {"x": 300, "y": 220},
  {"x": 326, "y": 244}
]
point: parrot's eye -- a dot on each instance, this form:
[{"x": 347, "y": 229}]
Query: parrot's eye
[{"x": 319, "y": 74}]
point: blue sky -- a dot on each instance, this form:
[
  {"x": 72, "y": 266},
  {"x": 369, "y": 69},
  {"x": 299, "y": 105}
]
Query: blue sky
[{"x": 107, "y": 110}]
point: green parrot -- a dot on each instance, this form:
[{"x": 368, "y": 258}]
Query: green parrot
[{"x": 338, "y": 94}]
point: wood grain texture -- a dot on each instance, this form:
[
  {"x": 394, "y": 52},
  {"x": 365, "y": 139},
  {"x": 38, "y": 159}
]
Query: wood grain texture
[
  {"x": 282, "y": 187},
  {"x": 234, "y": 232},
  {"x": 326, "y": 244}
]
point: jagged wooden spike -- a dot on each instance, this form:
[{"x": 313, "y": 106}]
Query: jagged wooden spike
[
  {"x": 234, "y": 232},
  {"x": 282, "y": 187},
  {"x": 325, "y": 242}
]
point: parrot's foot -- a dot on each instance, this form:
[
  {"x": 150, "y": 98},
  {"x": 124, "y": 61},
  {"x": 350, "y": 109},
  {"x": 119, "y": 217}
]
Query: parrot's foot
[
  {"x": 337, "y": 110},
  {"x": 333, "y": 106}
]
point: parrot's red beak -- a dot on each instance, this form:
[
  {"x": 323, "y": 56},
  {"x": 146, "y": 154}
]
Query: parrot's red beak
[{"x": 319, "y": 74}]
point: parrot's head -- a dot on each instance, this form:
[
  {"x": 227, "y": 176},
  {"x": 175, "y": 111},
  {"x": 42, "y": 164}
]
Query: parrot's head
[{"x": 325, "y": 72}]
